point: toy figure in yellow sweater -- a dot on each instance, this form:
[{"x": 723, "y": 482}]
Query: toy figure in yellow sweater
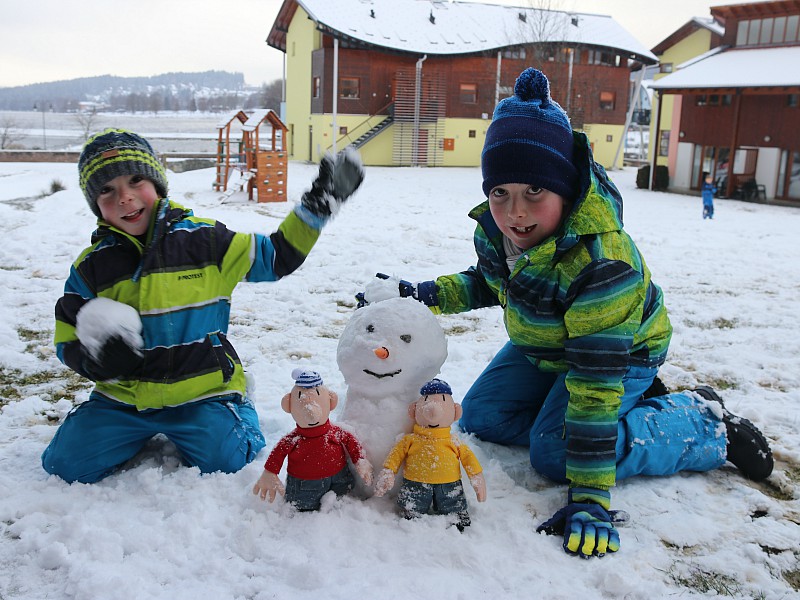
[{"x": 433, "y": 459}]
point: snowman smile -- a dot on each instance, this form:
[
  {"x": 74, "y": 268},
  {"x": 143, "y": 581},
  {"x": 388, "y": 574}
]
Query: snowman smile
[{"x": 382, "y": 375}]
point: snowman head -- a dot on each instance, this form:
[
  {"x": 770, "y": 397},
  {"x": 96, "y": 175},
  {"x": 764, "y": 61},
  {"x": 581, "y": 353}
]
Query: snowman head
[{"x": 391, "y": 347}]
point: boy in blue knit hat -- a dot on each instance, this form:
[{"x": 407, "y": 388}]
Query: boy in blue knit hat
[
  {"x": 146, "y": 308},
  {"x": 588, "y": 329}
]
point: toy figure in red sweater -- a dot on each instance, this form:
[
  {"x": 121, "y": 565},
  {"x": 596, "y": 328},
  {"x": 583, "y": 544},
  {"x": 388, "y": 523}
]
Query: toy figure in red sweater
[{"x": 316, "y": 449}]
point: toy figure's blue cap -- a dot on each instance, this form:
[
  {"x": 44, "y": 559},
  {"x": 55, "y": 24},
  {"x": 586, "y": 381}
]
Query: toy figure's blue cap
[
  {"x": 306, "y": 379},
  {"x": 435, "y": 386}
]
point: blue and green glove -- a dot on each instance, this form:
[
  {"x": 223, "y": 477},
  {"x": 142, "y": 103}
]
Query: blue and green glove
[{"x": 586, "y": 523}]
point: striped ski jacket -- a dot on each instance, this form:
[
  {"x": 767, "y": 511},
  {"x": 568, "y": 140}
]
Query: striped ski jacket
[
  {"x": 581, "y": 302},
  {"x": 180, "y": 281}
]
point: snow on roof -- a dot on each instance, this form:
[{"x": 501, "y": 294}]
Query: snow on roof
[
  {"x": 737, "y": 68},
  {"x": 436, "y": 27},
  {"x": 711, "y": 24}
]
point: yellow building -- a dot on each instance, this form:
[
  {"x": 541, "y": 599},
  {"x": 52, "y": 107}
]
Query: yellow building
[{"x": 414, "y": 82}]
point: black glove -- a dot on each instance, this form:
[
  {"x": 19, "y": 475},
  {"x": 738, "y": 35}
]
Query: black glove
[
  {"x": 116, "y": 360},
  {"x": 335, "y": 183}
]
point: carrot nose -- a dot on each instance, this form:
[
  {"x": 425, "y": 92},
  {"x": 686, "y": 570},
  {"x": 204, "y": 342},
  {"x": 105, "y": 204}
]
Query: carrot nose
[{"x": 382, "y": 352}]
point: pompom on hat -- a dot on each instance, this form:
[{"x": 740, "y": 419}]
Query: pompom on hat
[
  {"x": 116, "y": 152},
  {"x": 306, "y": 379},
  {"x": 435, "y": 386},
  {"x": 530, "y": 140}
]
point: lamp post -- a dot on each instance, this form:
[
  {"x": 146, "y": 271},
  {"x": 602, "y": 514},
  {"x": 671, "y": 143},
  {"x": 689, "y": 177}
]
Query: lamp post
[{"x": 44, "y": 126}]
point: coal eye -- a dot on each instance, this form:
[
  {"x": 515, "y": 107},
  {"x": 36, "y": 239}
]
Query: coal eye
[
  {"x": 406, "y": 338},
  {"x": 371, "y": 328}
]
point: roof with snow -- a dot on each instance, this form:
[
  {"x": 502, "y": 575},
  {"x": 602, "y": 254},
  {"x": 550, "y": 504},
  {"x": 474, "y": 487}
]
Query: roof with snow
[
  {"x": 446, "y": 28},
  {"x": 687, "y": 29},
  {"x": 736, "y": 68}
]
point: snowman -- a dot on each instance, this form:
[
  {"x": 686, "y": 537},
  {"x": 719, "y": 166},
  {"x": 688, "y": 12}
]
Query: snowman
[{"x": 387, "y": 351}]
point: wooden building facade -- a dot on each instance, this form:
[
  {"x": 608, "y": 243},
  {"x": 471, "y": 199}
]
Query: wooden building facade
[
  {"x": 737, "y": 114},
  {"x": 418, "y": 86}
]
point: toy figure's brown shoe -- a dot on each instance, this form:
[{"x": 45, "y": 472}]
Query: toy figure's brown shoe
[{"x": 747, "y": 447}]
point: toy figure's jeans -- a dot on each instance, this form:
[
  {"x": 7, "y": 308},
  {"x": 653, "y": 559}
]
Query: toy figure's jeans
[
  {"x": 305, "y": 494},
  {"x": 416, "y": 498},
  {"x": 99, "y": 435},
  {"x": 514, "y": 403}
]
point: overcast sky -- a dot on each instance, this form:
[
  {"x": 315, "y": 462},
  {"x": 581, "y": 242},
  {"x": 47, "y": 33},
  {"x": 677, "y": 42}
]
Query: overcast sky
[{"x": 51, "y": 40}]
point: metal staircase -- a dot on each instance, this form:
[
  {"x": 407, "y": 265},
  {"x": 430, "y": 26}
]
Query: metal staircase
[{"x": 368, "y": 135}]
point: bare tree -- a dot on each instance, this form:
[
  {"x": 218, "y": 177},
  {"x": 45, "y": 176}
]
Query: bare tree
[
  {"x": 10, "y": 133},
  {"x": 87, "y": 122}
]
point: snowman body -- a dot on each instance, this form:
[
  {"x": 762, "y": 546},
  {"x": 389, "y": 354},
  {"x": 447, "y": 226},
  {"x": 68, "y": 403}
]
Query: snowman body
[{"x": 387, "y": 351}]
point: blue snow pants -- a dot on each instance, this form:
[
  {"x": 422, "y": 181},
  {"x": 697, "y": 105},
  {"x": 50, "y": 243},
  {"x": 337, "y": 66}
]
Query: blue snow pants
[
  {"x": 514, "y": 403},
  {"x": 98, "y": 436}
]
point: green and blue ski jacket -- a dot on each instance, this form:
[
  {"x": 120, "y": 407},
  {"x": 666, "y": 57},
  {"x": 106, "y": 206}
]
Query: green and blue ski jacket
[
  {"x": 580, "y": 302},
  {"x": 180, "y": 280}
]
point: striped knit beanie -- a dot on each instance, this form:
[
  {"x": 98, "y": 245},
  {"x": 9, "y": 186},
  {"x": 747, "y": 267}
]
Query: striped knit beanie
[
  {"x": 530, "y": 140},
  {"x": 116, "y": 152},
  {"x": 435, "y": 386},
  {"x": 306, "y": 379}
]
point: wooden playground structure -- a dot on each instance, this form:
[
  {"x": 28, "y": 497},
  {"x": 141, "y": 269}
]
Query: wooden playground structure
[{"x": 250, "y": 162}]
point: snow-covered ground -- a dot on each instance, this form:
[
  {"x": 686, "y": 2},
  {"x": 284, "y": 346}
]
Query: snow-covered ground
[{"x": 156, "y": 530}]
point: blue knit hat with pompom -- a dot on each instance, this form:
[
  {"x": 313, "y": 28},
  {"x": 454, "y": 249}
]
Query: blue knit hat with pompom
[{"x": 530, "y": 140}]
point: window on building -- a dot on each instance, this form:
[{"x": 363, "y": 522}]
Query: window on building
[
  {"x": 607, "y": 100},
  {"x": 794, "y": 177},
  {"x": 753, "y": 32},
  {"x": 665, "y": 68},
  {"x": 793, "y": 100},
  {"x": 663, "y": 146},
  {"x": 792, "y": 23},
  {"x": 778, "y": 30},
  {"x": 468, "y": 93},
  {"x": 472, "y": 133},
  {"x": 342, "y": 130},
  {"x": 767, "y": 31},
  {"x": 315, "y": 87},
  {"x": 517, "y": 52},
  {"x": 701, "y": 100},
  {"x": 349, "y": 87},
  {"x": 741, "y": 33}
]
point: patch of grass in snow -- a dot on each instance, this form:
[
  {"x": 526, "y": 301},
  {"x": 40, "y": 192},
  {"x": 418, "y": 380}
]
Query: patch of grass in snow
[
  {"x": 793, "y": 578},
  {"x": 39, "y": 342},
  {"x": 718, "y": 323},
  {"x": 49, "y": 385},
  {"x": 55, "y": 186},
  {"x": 704, "y": 582}
]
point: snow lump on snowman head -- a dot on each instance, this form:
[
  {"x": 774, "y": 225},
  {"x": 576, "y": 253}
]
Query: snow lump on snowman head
[{"x": 390, "y": 348}]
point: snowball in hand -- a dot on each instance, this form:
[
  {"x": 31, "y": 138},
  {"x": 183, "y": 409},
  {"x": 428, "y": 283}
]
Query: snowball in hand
[{"x": 103, "y": 318}]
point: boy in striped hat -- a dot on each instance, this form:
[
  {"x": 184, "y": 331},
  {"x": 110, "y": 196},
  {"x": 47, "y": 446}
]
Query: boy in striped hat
[{"x": 146, "y": 307}]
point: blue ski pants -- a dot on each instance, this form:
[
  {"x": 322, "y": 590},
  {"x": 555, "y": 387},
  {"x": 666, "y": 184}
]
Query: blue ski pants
[
  {"x": 98, "y": 436},
  {"x": 514, "y": 403}
]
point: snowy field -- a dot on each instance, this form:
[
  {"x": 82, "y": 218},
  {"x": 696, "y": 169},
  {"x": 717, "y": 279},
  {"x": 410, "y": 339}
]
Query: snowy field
[{"x": 159, "y": 531}]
